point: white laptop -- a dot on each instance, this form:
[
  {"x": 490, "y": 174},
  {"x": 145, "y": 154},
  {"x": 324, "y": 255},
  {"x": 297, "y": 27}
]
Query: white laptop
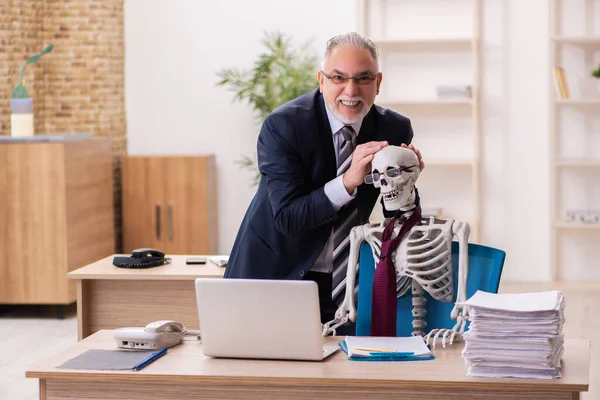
[{"x": 266, "y": 319}]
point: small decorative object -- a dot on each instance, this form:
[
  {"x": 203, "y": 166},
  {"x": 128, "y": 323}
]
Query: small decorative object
[
  {"x": 584, "y": 216},
  {"x": 454, "y": 91},
  {"x": 21, "y": 105}
]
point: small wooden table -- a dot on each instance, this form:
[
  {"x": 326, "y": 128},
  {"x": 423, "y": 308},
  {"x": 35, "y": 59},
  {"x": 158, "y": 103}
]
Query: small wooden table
[
  {"x": 185, "y": 373},
  {"x": 109, "y": 297}
]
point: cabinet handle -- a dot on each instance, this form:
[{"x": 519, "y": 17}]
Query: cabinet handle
[
  {"x": 170, "y": 221},
  {"x": 157, "y": 221}
]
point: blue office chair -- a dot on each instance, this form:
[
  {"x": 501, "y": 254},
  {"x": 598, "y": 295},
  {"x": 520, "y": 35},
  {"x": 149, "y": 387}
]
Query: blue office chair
[{"x": 485, "y": 269}]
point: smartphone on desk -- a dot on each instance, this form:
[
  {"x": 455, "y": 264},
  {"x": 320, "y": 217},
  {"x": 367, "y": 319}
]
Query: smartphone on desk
[{"x": 195, "y": 260}]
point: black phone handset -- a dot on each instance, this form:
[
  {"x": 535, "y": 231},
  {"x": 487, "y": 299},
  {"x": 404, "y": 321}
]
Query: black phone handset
[
  {"x": 146, "y": 252},
  {"x": 142, "y": 258}
]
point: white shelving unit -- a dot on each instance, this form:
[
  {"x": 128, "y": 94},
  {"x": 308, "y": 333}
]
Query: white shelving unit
[
  {"x": 377, "y": 19},
  {"x": 566, "y": 48}
]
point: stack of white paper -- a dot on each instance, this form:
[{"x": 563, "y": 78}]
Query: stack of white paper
[{"x": 515, "y": 335}]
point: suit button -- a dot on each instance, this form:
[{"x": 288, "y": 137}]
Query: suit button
[{"x": 301, "y": 272}]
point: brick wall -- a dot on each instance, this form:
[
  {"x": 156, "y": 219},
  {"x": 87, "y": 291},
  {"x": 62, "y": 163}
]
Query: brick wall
[{"x": 79, "y": 86}]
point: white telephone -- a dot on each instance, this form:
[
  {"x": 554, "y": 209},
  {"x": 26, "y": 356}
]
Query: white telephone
[{"x": 156, "y": 335}]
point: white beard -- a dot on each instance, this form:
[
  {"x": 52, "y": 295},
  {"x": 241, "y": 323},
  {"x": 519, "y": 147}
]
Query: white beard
[{"x": 365, "y": 110}]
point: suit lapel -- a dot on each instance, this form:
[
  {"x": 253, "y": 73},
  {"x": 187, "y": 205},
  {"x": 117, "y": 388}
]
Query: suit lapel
[
  {"x": 367, "y": 129},
  {"x": 326, "y": 141}
]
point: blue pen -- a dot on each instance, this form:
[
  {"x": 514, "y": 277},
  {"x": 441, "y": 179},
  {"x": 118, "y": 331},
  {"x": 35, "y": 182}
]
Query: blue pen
[
  {"x": 152, "y": 357},
  {"x": 392, "y": 354}
]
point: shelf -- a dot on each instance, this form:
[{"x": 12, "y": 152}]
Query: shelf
[
  {"x": 578, "y": 40},
  {"x": 426, "y": 103},
  {"x": 461, "y": 65},
  {"x": 575, "y": 225},
  {"x": 425, "y": 45},
  {"x": 579, "y": 102},
  {"x": 578, "y": 163},
  {"x": 448, "y": 163}
]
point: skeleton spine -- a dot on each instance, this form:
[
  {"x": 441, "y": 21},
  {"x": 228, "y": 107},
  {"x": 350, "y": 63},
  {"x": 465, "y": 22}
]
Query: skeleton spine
[{"x": 418, "y": 311}]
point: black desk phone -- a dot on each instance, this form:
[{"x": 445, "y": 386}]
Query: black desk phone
[{"x": 142, "y": 258}]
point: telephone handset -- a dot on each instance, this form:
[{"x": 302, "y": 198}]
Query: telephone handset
[
  {"x": 156, "y": 335},
  {"x": 146, "y": 252},
  {"x": 142, "y": 258}
]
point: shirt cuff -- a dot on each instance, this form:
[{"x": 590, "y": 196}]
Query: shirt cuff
[{"x": 337, "y": 193}]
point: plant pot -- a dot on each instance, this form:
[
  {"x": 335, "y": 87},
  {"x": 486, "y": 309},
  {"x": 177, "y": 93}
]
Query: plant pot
[{"x": 21, "y": 118}]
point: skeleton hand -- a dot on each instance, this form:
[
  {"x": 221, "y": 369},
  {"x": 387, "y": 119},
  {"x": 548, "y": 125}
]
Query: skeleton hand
[
  {"x": 341, "y": 318},
  {"x": 417, "y": 152},
  {"x": 460, "y": 314},
  {"x": 434, "y": 335}
]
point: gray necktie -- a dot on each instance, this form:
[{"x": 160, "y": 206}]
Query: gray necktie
[
  {"x": 348, "y": 219},
  {"x": 348, "y": 145}
]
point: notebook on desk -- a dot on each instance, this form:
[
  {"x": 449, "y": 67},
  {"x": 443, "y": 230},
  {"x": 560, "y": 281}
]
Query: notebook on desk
[
  {"x": 99, "y": 359},
  {"x": 369, "y": 348},
  {"x": 264, "y": 319}
]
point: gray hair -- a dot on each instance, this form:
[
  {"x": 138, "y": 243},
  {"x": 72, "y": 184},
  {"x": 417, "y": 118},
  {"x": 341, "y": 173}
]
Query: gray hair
[{"x": 352, "y": 39}]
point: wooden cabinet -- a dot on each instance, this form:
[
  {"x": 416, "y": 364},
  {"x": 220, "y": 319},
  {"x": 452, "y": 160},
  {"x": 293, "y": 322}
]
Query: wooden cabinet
[
  {"x": 170, "y": 203},
  {"x": 56, "y": 215}
]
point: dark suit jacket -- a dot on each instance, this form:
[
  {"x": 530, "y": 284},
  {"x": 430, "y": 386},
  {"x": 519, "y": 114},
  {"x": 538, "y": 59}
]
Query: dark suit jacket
[{"x": 290, "y": 219}]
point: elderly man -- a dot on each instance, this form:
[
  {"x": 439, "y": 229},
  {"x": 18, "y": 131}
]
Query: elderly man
[{"x": 313, "y": 153}]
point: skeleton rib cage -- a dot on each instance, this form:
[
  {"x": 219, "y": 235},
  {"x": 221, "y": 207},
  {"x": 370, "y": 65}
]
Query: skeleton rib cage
[{"x": 423, "y": 262}]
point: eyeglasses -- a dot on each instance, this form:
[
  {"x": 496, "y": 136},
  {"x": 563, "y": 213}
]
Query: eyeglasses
[
  {"x": 390, "y": 173},
  {"x": 359, "y": 80}
]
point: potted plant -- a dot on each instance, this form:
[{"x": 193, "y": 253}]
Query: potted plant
[
  {"x": 279, "y": 75},
  {"x": 21, "y": 105},
  {"x": 596, "y": 72}
]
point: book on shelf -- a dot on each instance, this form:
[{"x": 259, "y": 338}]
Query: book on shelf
[{"x": 560, "y": 83}]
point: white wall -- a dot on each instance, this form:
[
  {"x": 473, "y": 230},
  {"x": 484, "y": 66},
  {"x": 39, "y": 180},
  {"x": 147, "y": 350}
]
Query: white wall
[{"x": 174, "y": 48}]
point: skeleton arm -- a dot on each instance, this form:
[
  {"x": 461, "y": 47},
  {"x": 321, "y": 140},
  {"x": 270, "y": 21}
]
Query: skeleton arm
[
  {"x": 347, "y": 310},
  {"x": 461, "y": 230}
]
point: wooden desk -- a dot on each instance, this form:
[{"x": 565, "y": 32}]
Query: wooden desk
[
  {"x": 185, "y": 373},
  {"x": 109, "y": 297}
]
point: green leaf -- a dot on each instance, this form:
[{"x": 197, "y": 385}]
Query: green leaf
[
  {"x": 47, "y": 50},
  {"x": 20, "y": 92},
  {"x": 33, "y": 59}
]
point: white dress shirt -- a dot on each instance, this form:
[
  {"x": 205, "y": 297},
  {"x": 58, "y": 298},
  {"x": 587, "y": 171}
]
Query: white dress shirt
[{"x": 335, "y": 192}]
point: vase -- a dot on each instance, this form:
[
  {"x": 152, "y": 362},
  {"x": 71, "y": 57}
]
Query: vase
[{"x": 21, "y": 118}]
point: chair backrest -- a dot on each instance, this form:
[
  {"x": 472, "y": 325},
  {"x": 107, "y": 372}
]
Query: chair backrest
[{"x": 485, "y": 269}]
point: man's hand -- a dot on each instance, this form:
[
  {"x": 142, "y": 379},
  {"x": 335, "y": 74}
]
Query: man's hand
[
  {"x": 361, "y": 164},
  {"x": 417, "y": 152}
]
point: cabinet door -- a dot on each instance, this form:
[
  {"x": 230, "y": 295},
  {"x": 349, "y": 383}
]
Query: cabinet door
[
  {"x": 32, "y": 224},
  {"x": 190, "y": 205},
  {"x": 143, "y": 211}
]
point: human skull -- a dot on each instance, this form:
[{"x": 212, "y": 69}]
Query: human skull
[{"x": 394, "y": 171}]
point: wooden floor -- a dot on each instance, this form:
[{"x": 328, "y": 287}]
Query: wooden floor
[{"x": 31, "y": 333}]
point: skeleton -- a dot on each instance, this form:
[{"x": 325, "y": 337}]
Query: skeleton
[{"x": 423, "y": 258}]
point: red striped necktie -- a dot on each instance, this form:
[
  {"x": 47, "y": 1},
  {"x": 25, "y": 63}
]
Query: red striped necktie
[{"x": 383, "y": 307}]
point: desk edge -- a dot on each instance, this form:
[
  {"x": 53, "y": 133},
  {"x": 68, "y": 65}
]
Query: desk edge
[{"x": 499, "y": 385}]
